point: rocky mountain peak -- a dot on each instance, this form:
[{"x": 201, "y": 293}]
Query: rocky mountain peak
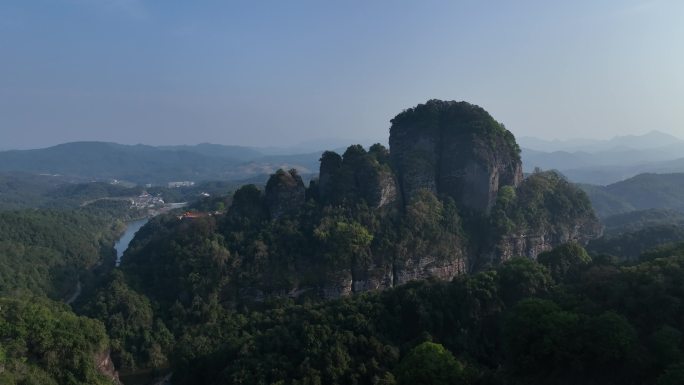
[{"x": 453, "y": 149}]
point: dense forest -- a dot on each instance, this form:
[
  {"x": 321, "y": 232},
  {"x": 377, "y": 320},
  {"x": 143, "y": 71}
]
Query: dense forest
[
  {"x": 565, "y": 320},
  {"x": 46, "y": 343},
  {"x": 568, "y": 318},
  {"x": 45, "y": 257},
  {"x": 42, "y": 252}
]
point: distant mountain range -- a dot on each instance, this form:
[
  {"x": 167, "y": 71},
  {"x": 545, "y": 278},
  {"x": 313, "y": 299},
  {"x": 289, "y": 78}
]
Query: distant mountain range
[
  {"x": 605, "y": 161},
  {"x": 600, "y": 162},
  {"x": 651, "y": 140},
  {"x": 158, "y": 165}
]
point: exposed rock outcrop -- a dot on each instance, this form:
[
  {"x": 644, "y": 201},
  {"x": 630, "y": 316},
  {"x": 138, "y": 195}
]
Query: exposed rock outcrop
[
  {"x": 388, "y": 275},
  {"x": 357, "y": 175},
  {"x": 544, "y": 212},
  {"x": 105, "y": 366},
  {"x": 532, "y": 244},
  {"x": 455, "y": 149},
  {"x": 429, "y": 245},
  {"x": 285, "y": 193},
  {"x": 448, "y": 199}
]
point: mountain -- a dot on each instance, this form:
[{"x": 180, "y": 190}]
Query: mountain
[
  {"x": 557, "y": 160},
  {"x": 644, "y": 191},
  {"x": 616, "y": 157},
  {"x": 608, "y": 161},
  {"x": 639, "y": 214},
  {"x": 641, "y": 219},
  {"x": 234, "y": 153},
  {"x": 143, "y": 164},
  {"x": 630, "y": 234},
  {"x": 157, "y": 165},
  {"x": 461, "y": 268},
  {"x": 465, "y": 154},
  {"x": 651, "y": 140},
  {"x": 306, "y": 164},
  {"x": 314, "y": 145},
  {"x": 140, "y": 164},
  {"x": 607, "y": 167},
  {"x": 447, "y": 198}
]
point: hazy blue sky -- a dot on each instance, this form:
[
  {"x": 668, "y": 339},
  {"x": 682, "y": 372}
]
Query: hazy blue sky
[{"x": 282, "y": 72}]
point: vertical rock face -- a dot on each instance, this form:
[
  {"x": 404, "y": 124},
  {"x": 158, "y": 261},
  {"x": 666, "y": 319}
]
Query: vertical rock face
[
  {"x": 455, "y": 149},
  {"x": 544, "y": 212},
  {"x": 381, "y": 188},
  {"x": 357, "y": 175},
  {"x": 388, "y": 275},
  {"x": 105, "y": 366},
  {"x": 530, "y": 245},
  {"x": 456, "y": 172},
  {"x": 285, "y": 193}
]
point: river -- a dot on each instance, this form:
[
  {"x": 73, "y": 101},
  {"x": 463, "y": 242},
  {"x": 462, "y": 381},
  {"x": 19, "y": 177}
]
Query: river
[{"x": 122, "y": 244}]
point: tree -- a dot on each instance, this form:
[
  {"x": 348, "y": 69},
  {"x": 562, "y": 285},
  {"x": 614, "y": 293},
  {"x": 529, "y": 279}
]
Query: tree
[
  {"x": 674, "y": 375},
  {"x": 520, "y": 277},
  {"x": 345, "y": 241},
  {"x": 565, "y": 261},
  {"x": 665, "y": 345},
  {"x": 540, "y": 340},
  {"x": 429, "y": 363}
]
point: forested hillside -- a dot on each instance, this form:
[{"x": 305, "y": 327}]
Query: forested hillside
[
  {"x": 24, "y": 191},
  {"x": 46, "y": 343},
  {"x": 644, "y": 191},
  {"x": 45, "y": 258},
  {"x": 568, "y": 318},
  {"x": 43, "y": 252}
]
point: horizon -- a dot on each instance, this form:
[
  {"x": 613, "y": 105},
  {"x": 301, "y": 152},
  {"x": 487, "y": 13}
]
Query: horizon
[
  {"x": 273, "y": 74},
  {"x": 308, "y": 145}
]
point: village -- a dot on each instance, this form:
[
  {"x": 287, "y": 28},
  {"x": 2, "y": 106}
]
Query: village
[{"x": 147, "y": 201}]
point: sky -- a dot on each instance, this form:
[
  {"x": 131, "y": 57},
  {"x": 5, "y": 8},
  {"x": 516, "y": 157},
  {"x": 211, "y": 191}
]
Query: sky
[{"x": 278, "y": 73}]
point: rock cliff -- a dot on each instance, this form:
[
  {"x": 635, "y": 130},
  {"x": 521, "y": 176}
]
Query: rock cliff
[
  {"x": 446, "y": 199},
  {"x": 105, "y": 366},
  {"x": 391, "y": 274},
  {"x": 427, "y": 242},
  {"x": 453, "y": 149},
  {"x": 357, "y": 175},
  {"x": 544, "y": 212},
  {"x": 440, "y": 152},
  {"x": 530, "y": 245}
]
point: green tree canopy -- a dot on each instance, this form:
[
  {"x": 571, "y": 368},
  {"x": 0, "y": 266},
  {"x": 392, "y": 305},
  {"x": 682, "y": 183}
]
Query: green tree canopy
[
  {"x": 429, "y": 363},
  {"x": 565, "y": 261}
]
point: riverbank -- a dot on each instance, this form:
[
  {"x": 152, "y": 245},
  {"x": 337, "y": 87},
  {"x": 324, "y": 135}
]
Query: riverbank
[
  {"x": 122, "y": 243},
  {"x": 132, "y": 227}
]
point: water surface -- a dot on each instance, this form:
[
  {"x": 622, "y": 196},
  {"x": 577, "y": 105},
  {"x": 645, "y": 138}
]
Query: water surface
[{"x": 122, "y": 244}]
